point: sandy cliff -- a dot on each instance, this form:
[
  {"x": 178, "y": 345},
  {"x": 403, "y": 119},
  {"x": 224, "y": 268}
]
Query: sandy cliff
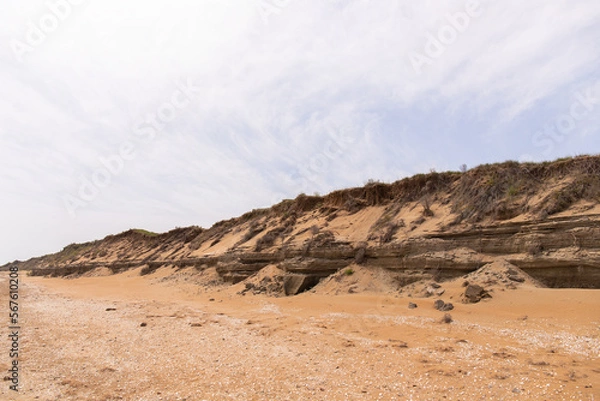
[{"x": 543, "y": 218}]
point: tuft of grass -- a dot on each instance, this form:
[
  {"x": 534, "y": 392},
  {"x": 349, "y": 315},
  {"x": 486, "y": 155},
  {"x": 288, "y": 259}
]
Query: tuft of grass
[
  {"x": 145, "y": 232},
  {"x": 348, "y": 272},
  {"x": 513, "y": 190}
]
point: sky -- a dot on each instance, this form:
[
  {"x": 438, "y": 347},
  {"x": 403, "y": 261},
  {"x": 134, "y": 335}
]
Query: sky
[{"x": 161, "y": 114}]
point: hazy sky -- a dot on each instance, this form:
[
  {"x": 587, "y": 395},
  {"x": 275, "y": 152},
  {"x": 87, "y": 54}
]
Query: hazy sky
[{"x": 156, "y": 114}]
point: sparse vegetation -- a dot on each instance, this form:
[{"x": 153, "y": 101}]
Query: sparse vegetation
[
  {"x": 372, "y": 181},
  {"x": 352, "y": 205},
  {"x": 320, "y": 240},
  {"x": 253, "y": 214},
  {"x": 385, "y": 228},
  {"x": 389, "y": 231},
  {"x": 513, "y": 190},
  {"x": 254, "y": 229},
  {"x": 583, "y": 187},
  {"x": 323, "y": 238},
  {"x": 503, "y": 190},
  {"x": 72, "y": 252},
  {"x": 269, "y": 238},
  {"x": 348, "y": 272},
  {"x": 426, "y": 203},
  {"x": 145, "y": 232}
]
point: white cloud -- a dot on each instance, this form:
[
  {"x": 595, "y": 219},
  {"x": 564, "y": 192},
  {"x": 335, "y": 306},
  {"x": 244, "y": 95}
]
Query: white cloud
[{"x": 321, "y": 96}]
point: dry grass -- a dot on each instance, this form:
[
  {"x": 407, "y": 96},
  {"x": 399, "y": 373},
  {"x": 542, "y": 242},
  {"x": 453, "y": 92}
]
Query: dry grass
[{"x": 269, "y": 238}]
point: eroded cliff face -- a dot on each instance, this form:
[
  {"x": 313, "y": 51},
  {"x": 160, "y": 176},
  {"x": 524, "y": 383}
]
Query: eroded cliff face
[{"x": 543, "y": 218}]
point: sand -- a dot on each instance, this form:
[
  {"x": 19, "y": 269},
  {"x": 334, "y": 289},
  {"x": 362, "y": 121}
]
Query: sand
[
  {"x": 206, "y": 342},
  {"x": 357, "y": 279}
]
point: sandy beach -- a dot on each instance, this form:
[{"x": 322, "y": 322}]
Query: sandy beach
[{"x": 165, "y": 337}]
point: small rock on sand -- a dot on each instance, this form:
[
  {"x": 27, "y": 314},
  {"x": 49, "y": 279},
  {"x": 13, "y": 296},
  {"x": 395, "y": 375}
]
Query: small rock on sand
[
  {"x": 475, "y": 293},
  {"x": 443, "y": 306}
]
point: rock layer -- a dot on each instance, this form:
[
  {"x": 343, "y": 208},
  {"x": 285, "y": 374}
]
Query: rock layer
[{"x": 542, "y": 218}]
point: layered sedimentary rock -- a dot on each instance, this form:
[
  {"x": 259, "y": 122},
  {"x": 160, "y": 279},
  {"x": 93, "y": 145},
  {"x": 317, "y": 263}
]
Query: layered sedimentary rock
[{"x": 543, "y": 218}]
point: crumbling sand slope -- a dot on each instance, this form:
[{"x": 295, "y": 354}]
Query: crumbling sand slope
[
  {"x": 501, "y": 274},
  {"x": 355, "y": 278},
  {"x": 270, "y": 280}
]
